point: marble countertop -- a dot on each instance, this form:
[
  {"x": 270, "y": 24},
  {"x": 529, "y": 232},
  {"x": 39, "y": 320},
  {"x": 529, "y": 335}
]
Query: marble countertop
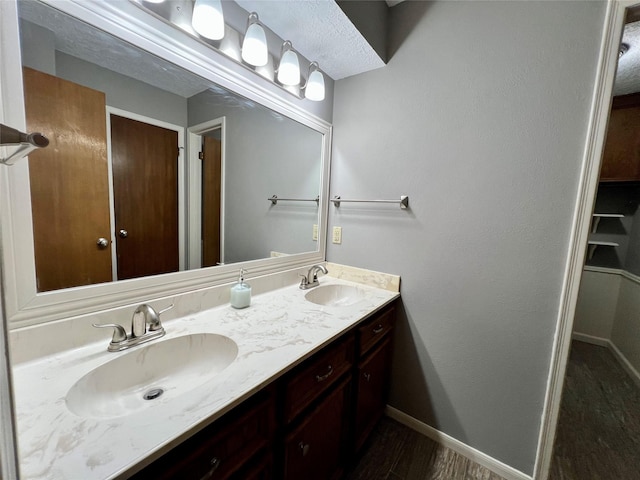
[{"x": 276, "y": 332}]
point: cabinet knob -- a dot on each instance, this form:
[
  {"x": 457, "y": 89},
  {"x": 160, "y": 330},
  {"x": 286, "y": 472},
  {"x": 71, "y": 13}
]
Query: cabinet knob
[
  {"x": 378, "y": 329},
  {"x": 123, "y": 233},
  {"x": 304, "y": 448},
  {"x": 102, "y": 243},
  {"x": 214, "y": 463},
  {"x": 367, "y": 376},
  {"x": 320, "y": 378}
]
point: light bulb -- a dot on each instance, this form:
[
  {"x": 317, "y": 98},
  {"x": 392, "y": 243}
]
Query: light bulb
[
  {"x": 254, "y": 46},
  {"x": 314, "y": 90},
  {"x": 207, "y": 19},
  {"x": 289, "y": 68}
]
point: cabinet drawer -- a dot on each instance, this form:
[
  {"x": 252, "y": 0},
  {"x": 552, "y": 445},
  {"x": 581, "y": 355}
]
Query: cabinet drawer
[
  {"x": 220, "y": 450},
  {"x": 315, "y": 375},
  {"x": 372, "y": 331},
  {"x": 314, "y": 450}
]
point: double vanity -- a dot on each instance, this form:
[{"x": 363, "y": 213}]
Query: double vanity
[
  {"x": 289, "y": 387},
  {"x": 268, "y": 386}
]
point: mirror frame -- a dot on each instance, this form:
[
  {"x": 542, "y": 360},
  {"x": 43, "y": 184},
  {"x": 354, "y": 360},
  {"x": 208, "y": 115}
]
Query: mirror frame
[{"x": 24, "y": 305}]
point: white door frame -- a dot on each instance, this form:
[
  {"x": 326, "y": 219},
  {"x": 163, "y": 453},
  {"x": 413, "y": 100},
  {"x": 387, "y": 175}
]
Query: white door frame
[
  {"x": 195, "y": 188},
  {"x": 182, "y": 207},
  {"x": 588, "y": 184}
]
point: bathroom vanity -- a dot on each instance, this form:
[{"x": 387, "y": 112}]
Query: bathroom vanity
[
  {"x": 306, "y": 424},
  {"x": 303, "y": 388},
  {"x": 289, "y": 387}
]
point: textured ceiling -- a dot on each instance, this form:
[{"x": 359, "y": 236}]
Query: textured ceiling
[
  {"x": 628, "y": 73},
  {"x": 320, "y": 31},
  {"x": 87, "y": 43}
]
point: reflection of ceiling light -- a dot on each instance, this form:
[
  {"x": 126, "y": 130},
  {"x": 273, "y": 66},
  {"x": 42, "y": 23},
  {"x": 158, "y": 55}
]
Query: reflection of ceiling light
[
  {"x": 624, "y": 48},
  {"x": 289, "y": 68},
  {"x": 154, "y": 1},
  {"x": 254, "y": 46},
  {"x": 314, "y": 89},
  {"x": 207, "y": 19}
]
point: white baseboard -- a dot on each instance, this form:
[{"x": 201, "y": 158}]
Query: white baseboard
[
  {"x": 626, "y": 364},
  {"x": 605, "y": 342},
  {"x": 457, "y": 446},
  {"x": 583, "y": 337}
]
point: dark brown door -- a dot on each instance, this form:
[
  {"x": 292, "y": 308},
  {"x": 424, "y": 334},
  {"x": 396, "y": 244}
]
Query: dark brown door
[
  {"x": 69, "y": 182},
  {"x": 145, "y": 188},
  {"x": 211, "y": 185}
]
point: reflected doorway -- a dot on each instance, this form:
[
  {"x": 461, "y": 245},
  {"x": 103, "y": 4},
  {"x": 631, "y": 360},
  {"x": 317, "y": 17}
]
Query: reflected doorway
[{"x": 206, "y": 197}]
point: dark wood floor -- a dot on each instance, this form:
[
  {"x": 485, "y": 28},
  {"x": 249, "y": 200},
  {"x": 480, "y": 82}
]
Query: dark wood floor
[
  {"x": 598, "y": 434},
  {"x": 396, "y": 452}
]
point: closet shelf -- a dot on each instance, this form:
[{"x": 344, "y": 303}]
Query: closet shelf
[
  {"x": 593, "y": 244},
  {"x": 599, "y": 216}
]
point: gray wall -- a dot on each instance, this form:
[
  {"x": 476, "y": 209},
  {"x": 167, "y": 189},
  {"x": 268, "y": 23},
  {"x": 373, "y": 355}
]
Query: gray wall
[
  {"x": 481, "y": 118},
  {"x": 371, "y": 18},
  {"x": 632, "y": 215},
  {"x": 38, "y": 52},
  {"x": 265, "y": 154},
  {"x": 124, "y": 92}
]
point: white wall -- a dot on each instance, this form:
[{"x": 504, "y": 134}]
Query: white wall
[
  {"x": 481, "y": 118},
  {"x": 597, "y": 301},
  {"x": 625, "y": 334}
]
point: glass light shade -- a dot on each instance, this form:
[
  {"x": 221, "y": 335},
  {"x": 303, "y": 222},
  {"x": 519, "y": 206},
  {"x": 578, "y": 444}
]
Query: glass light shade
[
  {"x": 154, "y": 1},
  {"x": 314, "y": 89},
  {"x": 289, "y": 68},
  {"x": 207, "y": 19},
  {"x": 254, "y": 46}
]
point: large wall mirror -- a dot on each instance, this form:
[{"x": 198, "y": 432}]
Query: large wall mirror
[{"x": 157, "y": 178}]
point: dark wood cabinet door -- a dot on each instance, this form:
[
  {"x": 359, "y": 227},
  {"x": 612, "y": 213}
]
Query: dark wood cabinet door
[
  {"x": 371, "y": 389},
  {"x": 621, "y": 155},
  {"x": 233, "y": 448},
  {"x": 314, "y": 450}
]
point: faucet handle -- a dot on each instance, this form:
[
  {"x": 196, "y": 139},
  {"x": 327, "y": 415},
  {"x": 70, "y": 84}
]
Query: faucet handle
[
  {"x": 304, "y": 281},
  {"x": 119, "y": 333},
  {"x": 154, "y": 323}
]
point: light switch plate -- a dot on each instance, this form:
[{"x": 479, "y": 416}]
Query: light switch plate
[
  {"x": 337, "y": 234},
  {"x": 315, "y": 233}
]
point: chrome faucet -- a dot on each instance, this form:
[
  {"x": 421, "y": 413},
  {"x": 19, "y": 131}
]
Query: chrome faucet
[
  {"x": 145, "y": 326},
  {"x": 310, "y": 280}
]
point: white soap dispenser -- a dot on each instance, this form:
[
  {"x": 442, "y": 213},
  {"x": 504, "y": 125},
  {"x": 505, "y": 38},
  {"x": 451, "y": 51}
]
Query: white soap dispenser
[{"x": 241, "y": 292}]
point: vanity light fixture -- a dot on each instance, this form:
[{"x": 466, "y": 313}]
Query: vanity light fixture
[
  {"x": 254, "y": 46},
  {"x": 207, "y": 19},
  {"x": 207, "y": 23},
  {"x": 314, "y": 88},
  {"x": 289, "y": 68}
]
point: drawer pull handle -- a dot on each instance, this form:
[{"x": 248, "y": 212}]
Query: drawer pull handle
[
  {"x": 321, "y": 378},
  {"x": 304, "y": 448},
  {"x": 378, "y": 329},
  {"x": 215, "y": 463},
  {"x": 367, "y": 377}
]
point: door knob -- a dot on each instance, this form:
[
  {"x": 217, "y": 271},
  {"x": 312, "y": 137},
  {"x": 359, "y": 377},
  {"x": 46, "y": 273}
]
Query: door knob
[
  {"x": 102, "y": 242},
  {"x": 123, "y": 233}
]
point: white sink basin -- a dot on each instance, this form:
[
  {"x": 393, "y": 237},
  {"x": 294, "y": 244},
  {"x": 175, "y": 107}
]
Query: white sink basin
[
  {"x": 335, "y": 295},
  {"x": 172, "y": 367}
]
